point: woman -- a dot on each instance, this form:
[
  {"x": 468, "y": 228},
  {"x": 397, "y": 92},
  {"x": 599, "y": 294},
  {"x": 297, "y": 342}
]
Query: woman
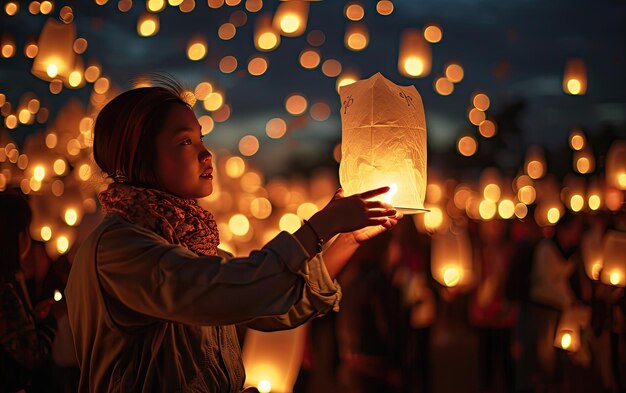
[
  {"x": 26, "y": 333},
  {"x": 152, "y": 300}
]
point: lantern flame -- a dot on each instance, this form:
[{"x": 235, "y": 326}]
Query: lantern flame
[
  {"x": 566, "y": 340},
  {"x": 595, "y": 270},
  {"x": 451, "y": 276},
  {"x": 264, "y": 387},
  {"x": 393, "y": 189},
  {"x": 57, "y": 295},
  {"x": 52, "y": 70},
  {"x": 615, "y": 278}
]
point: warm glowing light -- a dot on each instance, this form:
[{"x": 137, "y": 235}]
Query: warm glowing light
[
  {"x": 433, "y": 218},
  {"x": 577, "y": 202},
  {"x": 621, "y": 180},
  {"x": 476, "y": 117},
  {"x": 289, "y": 222},
  {"x": 574, "y": 86},
  {"x": 491, "y": 192},
  {"x": 290, "y": 23},
  {"x": 487, "y": 209},
  {"x": 84, "y": 172},
  {"x": 239, "y": 225},
  {"x": 228, "y": 64},
  {"x": 63, "y": 244},
  {"x": 467, "y": 145},
  {"x": 506, "y": 208},
  {"x": 57, "y": 295},
  {"x": 39, "y": 173},
  {"x": 276, "y": 128},
  {"x": 80, "y": 45},
  {"x": 102, "y": 85},
  {"x": 207, "y": 124},
  {"x": 264, "y": 387},
  {"x": 345, "y": 80},
  {"x": 384, "y": 7},
  {"x": 248, "y": 145},
  {"x": 433, "y": 34},
  {"x": 451, "y": 276},
  {"x": 148, "y": 25},
  {"x": 487, "y": 128},
  {"x": 31, "y": 50},
  {"x": 257, "y": 66},
  {"x": 52, "y": 70},
  {"x": 227, "y": 31},
  {"x": 46, "y": 233},
  {"x": 566, "y": 340},
  {"x": 235, "y": 167},
  {"x": 214, "y": 101},
  {"x": 331, "y": 68},
  {"x": 24, "y": 116},
  {"x": 594, "y": 202},
  {"x": 454, "y": 73},
  {"x": 11, "y": 8},
  {"x": 443, "y": 86},
  {"x": 615, "y": 278},
  {"x": 306, "y": 210},
  {"x": 553, "y": 215},
  {"x": 356, "y": 37},
  {"x": 577, "y": 141},
  {"x": 583, "y": 165},
  {"x": 70, "y": 217},
  {"x": 521, "y": 210},
  {"x": 267, "y": 41},
  {"x": 196, "y": 50},
  {"x": 595, "y": 270},
  {"x": 354, "y": 12},
  {"x": 261, "y": 208},
  {"x": 59, "y": 166},
  {"x": 534, "y": 169},
  {"x": 155, "y": 5},
  {"x": 320, "y": 111},
  {"x": 393, "y": 189},
  {"x": 481, "y": 101},
  {"x": 575, "y": 77},
  {"x": 414, "y": 66},
  {"x": 75, "y": 78},
  {"x": 296, "y": 104}
]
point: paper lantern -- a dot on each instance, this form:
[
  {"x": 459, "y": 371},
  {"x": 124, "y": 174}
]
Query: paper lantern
[
  {"x": 616, "y": 165},
  {"x": 272, "y": 359},
  {"x": 266, "y": 37},
  {"x": 291, "y": 17},
  {"x": 614, "y": 259},
  {"x": 384, "y": 141},
  {"x": 356, "y": 37},
  {"x": 415, "y": 56},
  {"x": 56, "y": 56},
  {"x": 572, "y": 320},
  {"x": 451, "y": 258},
  {"x": 575, "y": 77},
  {"x": 584, "y": 161}
]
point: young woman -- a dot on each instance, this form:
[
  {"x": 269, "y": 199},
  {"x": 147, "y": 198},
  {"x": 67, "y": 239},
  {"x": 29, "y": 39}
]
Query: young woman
[{"x": 152, "y": 299}]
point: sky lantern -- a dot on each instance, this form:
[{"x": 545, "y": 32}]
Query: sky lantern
[
  {"x": 572, "y": 320},
  {"x": 613, "y": 259},
  {"x": 575, "y": 77},
  {"x": 272, "y": 359},
  {"x": 291, "y": 17},
  {"x": 415, "y": 57},
  {"x": 55, "y": 57},
  {"x": 384, "y": 141},
  {"x": 356, "y": 37},
  {"x": 266, "y": 37},
  {"x": 451, "y": 258},
  {"x": 616, "y": 165}
]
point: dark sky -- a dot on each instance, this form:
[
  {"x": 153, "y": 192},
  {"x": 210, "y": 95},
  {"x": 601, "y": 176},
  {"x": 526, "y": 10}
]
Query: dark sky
[{"x": 514, "y": 51}]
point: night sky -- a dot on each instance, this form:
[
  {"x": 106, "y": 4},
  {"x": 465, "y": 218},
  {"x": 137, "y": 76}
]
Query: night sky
[{"x": 514, "y": 51}]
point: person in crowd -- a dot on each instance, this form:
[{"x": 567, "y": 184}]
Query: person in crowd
[
  {"x": 152, "y": 300},
  {"x": 26, "y": 331}
]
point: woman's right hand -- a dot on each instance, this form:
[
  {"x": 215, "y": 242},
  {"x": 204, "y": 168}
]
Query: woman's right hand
[{"x": 351, "y": 213}]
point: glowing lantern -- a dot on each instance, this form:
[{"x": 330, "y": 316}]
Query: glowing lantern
[
  {"x": 591, "y": 251},
  {"x": 616, "y": 165},
  {"x": 571, "y": 322},
  {"x": 614, "y": 259},
  {"x": 272, "y": 359},
  {"x": 55, "y": 57},
  {"x": 575, "y": 77},
  {"x": 356, "y": 38},
  {"x": 584, "y": 161},
  {"x": 535, "y": 164},
  {"x": 415, "y": 57},
  {"x": 384, "y": 141},
  {"x": 266, "y": 37},
  {"x": 291, "y": 17},
  {"x": 451, "y": 258}
]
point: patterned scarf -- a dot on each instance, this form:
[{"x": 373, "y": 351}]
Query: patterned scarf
[{"x": 178, "y": 220}]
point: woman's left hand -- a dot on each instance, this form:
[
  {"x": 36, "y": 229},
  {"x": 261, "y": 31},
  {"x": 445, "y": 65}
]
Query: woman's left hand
[{"x": 367, "y": 233}]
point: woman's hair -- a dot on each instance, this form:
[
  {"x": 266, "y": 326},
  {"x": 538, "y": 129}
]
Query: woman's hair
[
  {"x": 15, "y": 217},
  {"x": 126, "y": 128}
]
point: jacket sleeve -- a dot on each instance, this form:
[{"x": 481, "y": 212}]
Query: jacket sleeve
[
  {"x": 27, "y": 341},
  {"x": 161, "y": 281}
]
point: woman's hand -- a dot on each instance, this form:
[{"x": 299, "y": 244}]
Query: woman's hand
[
  {"x": 355, "y": 213},
  {"x": 367, "y": 233}
]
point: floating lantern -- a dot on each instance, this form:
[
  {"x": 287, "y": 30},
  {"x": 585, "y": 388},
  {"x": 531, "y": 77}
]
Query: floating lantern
[
  {"x": 451, "y": 259},
  {"x": 614, "y": 259},
  {"x": 570, "y": 324},
  {"x": 575, "y": 77},
  {"x": 616, "y": 165},
  {"x": 356, "y": 37},
  {"x": 384, "y": 141},
  {"x": 55, "y": 57},
  {"x": 291, "y": 17},
  {"x": 583, "y": 160},
  {"x": 266, "y": 37},
  {"x": 577, "y": 139},
  {"x": 415, "y": 57},
  {"x": 272, "y": 359}
]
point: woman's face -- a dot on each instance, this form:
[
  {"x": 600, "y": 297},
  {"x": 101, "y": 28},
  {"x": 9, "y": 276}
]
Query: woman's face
[{"x": 183, "y": 164}]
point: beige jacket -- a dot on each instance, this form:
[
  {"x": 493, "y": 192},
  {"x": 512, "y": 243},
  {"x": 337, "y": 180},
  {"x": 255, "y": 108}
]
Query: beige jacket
[{"x": 149, "y": 316}]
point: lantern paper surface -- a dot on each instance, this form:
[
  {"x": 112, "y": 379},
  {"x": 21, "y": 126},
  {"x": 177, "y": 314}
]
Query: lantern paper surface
[
  {"x": 451, "y": 259},
  {"x": 384, "y": 142},
  {"x": 56, "y": 54},
  {"x": 571, "y": 322},
  {"x": 614, "y": 259},
  {"x": 272, "y": 359}
]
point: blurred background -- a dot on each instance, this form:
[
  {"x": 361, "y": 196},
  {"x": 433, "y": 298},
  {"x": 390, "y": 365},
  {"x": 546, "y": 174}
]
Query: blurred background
[{"x": 511, "y": 282}]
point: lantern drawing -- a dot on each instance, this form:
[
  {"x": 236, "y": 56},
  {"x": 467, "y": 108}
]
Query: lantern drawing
[
  {"x": 451, "y": 259},
  {"x": 616, "y": 165},
  {"x": 384, "y": 142},
  {"x": 415, "y": 56},
  {"x": 575, "y": 77},
  {"x": 614, "y": 259},
  {"x": 56, "y": 56},
  {"x": 291, "y": 17},
  {"x": 266, "y": 38},
  {"x": 272, "y": 359},
  {"x": 572, "y": 320}
]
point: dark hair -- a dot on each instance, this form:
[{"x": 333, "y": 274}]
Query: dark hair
[
  {"x": 15, "y": 217},
  {"x": 126, "y": 128}
]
